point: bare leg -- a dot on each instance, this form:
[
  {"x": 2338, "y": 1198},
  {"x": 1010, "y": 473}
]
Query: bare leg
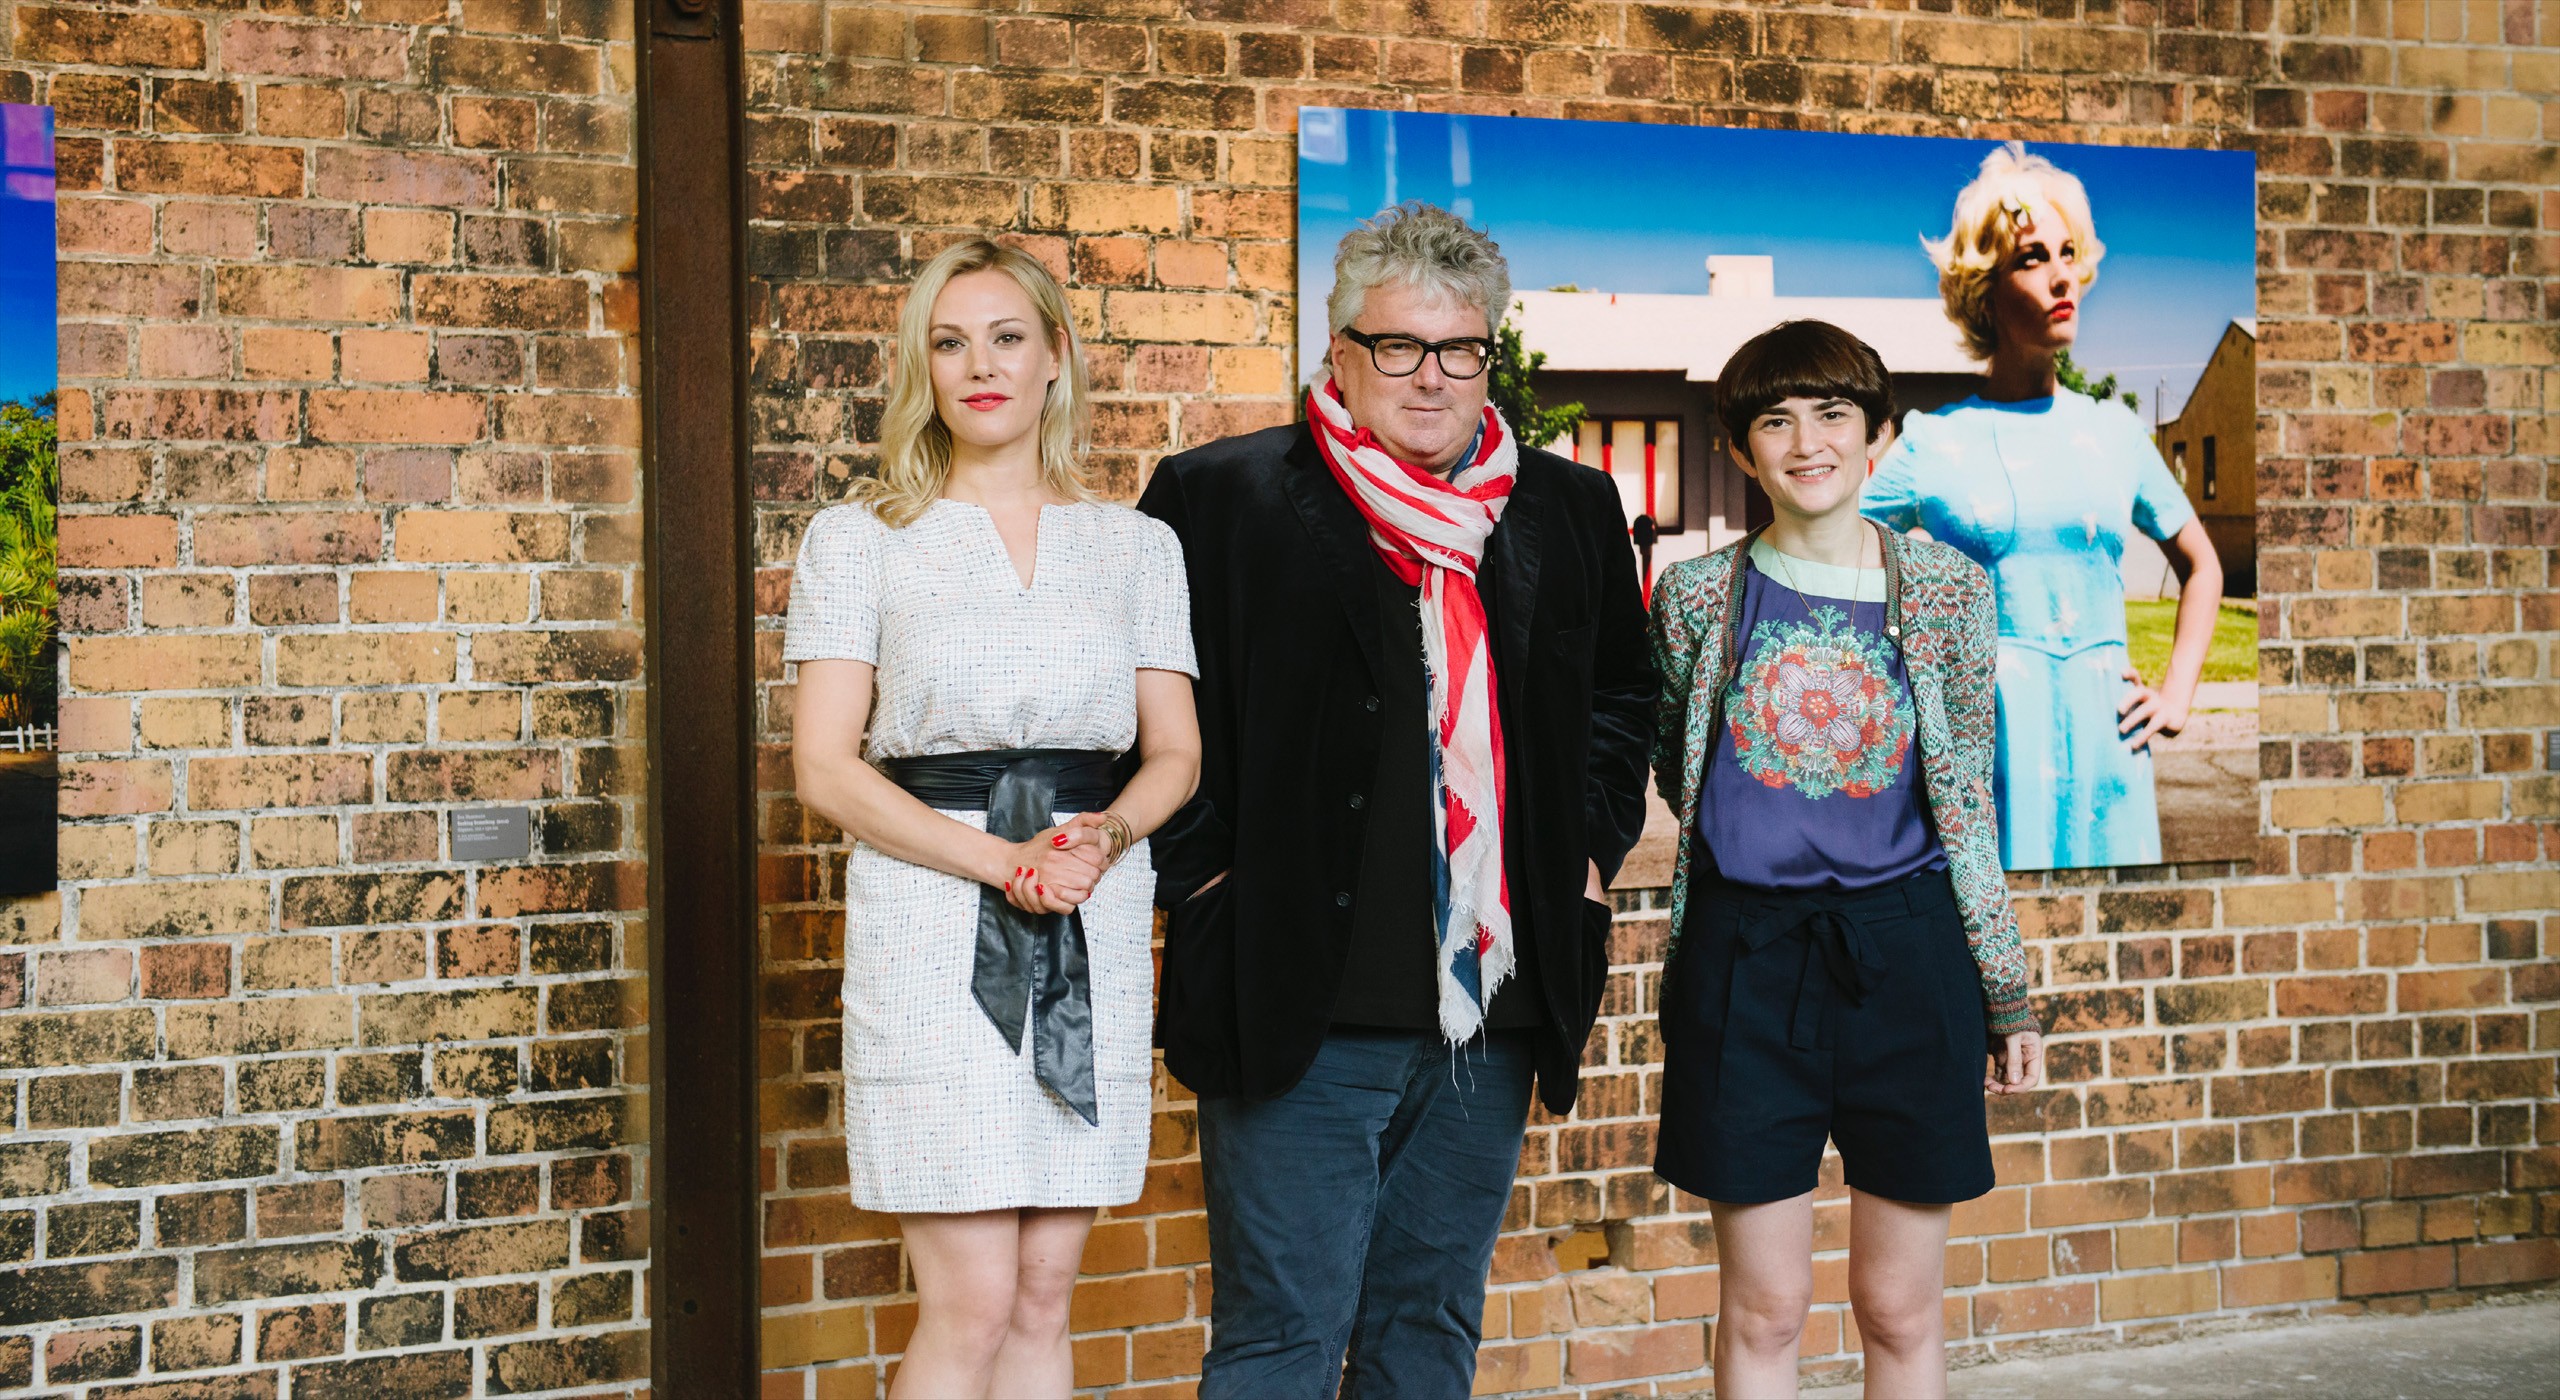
[
  {"x": 1898, "y": 1286},
  {"x": 1035, "y": 1362},
  {"x": 965, "y": 1269},
  {"x": 1764, "y": 1259}
]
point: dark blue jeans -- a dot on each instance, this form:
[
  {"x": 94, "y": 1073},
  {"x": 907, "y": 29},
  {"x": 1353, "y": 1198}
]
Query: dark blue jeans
[{"x": 1356, "y": 1213}]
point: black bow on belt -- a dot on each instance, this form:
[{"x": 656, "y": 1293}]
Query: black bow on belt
[
  {"x": 1034, "y": 959},
  {"x": 1838, "y": 940}
]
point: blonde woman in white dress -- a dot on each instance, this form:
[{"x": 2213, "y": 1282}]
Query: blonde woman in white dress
[{"x": 995, "y": 704}]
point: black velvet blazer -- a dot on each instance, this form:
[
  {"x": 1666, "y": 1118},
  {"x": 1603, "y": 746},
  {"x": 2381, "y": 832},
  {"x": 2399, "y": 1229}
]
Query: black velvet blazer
[{"x": 1287, "y": 624}]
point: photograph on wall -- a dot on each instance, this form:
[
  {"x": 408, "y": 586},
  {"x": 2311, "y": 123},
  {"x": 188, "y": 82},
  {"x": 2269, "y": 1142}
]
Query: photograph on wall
[
  {"x": 2104, "y": 507},
  {"x": 29, "y": 484}
]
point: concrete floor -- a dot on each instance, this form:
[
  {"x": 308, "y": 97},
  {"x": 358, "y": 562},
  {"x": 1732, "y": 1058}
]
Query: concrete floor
[{"x": 2489, "y": 1352}]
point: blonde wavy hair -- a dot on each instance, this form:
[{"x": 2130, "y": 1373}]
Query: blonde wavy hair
[
  {"x": 1985, "y": 235},
  {"x": 915, "y": 444}
]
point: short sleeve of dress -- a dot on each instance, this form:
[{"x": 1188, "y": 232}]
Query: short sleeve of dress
[
  {"x": 1892, "y": 496},
  {"x": 835, "y": 614},
  {"x": 1162, "y": 604},
  {"x": 2160, "y": 506}
]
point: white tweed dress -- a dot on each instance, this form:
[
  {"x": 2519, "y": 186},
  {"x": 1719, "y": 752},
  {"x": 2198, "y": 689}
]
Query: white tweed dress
[{"x": 940, "y": 1114}]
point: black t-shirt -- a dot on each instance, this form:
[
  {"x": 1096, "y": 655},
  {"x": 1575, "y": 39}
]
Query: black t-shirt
[{"x": 1392, "y": 979}]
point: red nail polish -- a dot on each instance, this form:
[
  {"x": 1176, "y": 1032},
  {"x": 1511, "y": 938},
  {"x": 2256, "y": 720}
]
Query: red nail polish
[
  {"x": 1058, "y": 840},
  {"x": 1042, "y": 889}
]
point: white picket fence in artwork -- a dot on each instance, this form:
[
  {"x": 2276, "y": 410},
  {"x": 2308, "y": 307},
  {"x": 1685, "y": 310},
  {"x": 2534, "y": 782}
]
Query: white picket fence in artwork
[{"x": 28, "y": 738}]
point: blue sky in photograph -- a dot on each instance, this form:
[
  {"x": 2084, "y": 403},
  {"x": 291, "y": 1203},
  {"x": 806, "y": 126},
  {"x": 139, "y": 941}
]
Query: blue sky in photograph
[
  {"x": 1623, "y": 207},
  {"x": 26, "y": 252}
]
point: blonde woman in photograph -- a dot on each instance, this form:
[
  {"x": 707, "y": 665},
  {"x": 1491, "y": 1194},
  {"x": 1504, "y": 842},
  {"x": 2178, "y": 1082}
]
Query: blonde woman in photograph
[
  {"x": 994, "y": 703},
  {"x": 2042, "y": 486}
]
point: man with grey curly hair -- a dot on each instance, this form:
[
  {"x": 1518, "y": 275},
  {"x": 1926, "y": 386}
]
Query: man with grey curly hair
[
  {"x": 1424, "y": 246},
  {"x": 1425, "y": 710}
]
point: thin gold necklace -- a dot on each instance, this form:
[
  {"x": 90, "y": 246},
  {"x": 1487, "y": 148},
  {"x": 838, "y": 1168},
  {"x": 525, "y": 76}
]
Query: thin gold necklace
[{"x": 1786, "y": 575}]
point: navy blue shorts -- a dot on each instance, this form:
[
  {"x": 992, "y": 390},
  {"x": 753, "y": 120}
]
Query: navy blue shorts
[{"x": 1788, "y": 1019}]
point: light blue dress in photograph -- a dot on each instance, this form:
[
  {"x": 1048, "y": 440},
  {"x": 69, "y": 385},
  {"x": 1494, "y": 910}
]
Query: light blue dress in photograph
[{"x": 2043, "y": 494}]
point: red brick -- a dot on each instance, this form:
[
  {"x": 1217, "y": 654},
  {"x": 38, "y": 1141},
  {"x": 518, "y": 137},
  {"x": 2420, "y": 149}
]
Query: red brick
[
  {"x": 2041, "y": 1308},
  {"x": 2129, "y": 1296},
  {"x": 2090, "y": 1202},
  {"x": 2306, "y": 1183},
  {"x": 2194, "y": 1193},
  {"x": 1129, "y": 1302},
  {"x": 2507, "y": 1262},
  {"x": 117, "y": 541},
  {"x": 389, "y": 415},
  {"x": 288, "y": 537},
  {"x": 509, "y": 303},
  {"x": 326, "y": 50},
  {"x": 2396, "y": 1271},
  {"x": 316, "y": 780},
  {"x": 363, "y": 295},
  {"x": 1631, "y": 1353},
  {"x": 2282, "y": 1281},
  {"x": 513, "y": 65},
  {"x": 47, "y": 34},
  {"x": 103, "y": 664},
  {"x": 2332, "y": 996},
  {"x": 186, "y": 971},
  {"x": 165, "y": 415},
  {"x": 2447, "y": 1173},
  {"x": 127, "y": 289},
  {"x": 2450, "y": 991},
  {"x": 403, "y": 177},
  {"x": 209, "y": 168}
]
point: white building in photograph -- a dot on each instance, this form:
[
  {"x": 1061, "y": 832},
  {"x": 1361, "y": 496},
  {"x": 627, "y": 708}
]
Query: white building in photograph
[{"x": 1645, "y": 364}]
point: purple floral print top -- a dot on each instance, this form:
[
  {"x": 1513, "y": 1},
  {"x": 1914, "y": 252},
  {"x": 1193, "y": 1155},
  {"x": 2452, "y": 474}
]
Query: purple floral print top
[{"x": 1814, "y": 785}]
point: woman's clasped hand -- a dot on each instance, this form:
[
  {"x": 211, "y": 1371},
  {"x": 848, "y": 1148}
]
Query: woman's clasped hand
[{"x": 1055, "y": 870}]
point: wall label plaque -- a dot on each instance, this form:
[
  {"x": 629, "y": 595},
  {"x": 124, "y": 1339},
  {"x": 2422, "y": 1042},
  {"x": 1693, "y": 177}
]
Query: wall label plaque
[{"x": 492, "y": 833}]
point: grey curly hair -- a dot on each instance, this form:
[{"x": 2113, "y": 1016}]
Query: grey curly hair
[{"x": 1422, "y": 245}]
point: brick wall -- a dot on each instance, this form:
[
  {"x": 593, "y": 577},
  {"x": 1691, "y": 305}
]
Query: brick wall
[
  {"x": 350, "y": 537},
  {"x": 2322, "y": 1082},
  {"x": 350, "y": 540}
]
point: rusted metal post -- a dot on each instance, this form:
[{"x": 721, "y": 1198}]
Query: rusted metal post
[{"x": 701, "y": 663}]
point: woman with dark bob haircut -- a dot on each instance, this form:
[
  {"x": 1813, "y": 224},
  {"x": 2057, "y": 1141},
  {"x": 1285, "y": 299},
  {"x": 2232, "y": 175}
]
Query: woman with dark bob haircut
[{"x": 1843, "y": 949}]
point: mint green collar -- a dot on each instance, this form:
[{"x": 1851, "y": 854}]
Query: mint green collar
[{"x": 1817, "y": 580}]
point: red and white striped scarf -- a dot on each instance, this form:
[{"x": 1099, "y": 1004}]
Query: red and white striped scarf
[{"x": 1431, "y": 531}]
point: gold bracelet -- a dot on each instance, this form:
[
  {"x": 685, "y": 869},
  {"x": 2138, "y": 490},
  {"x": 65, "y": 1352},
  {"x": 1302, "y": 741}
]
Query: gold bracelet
[{"x": 1121, "y": 834}]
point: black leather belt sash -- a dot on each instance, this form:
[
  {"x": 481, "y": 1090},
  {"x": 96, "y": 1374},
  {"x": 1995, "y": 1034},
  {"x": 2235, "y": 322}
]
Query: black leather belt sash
[{"x": 1026, "y": 960}]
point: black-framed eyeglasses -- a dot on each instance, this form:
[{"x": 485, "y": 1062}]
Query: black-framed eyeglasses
[{"x": 1399, "y": 355}]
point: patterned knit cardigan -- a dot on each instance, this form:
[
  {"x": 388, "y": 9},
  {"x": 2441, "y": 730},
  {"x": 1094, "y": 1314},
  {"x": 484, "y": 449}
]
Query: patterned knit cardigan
[{"x": 1949, "y": 637}]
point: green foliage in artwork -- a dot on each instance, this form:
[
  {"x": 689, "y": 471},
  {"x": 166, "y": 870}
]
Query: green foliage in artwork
[
  {"x": 1514, "y": 392},
  {"x": 2077, "y": 380},
  {"x": 30, "y": 480}
]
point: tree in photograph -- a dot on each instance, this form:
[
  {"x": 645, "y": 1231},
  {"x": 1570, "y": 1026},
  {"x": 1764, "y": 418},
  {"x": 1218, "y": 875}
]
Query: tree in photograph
[
  {"x": 2077, "y": 380},
  {"x": 1513, "y": 392},
  {"x": 30, "y": 475}
]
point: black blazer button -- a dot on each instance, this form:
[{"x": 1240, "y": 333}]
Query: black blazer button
[
  {"x": 1370, "y": 704},
  {"x": 1342, "y": 900},
  {"x": 1358, "y": 802}
]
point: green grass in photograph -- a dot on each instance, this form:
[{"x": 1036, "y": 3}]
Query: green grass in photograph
[{"x": 2233, "y": 656}]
